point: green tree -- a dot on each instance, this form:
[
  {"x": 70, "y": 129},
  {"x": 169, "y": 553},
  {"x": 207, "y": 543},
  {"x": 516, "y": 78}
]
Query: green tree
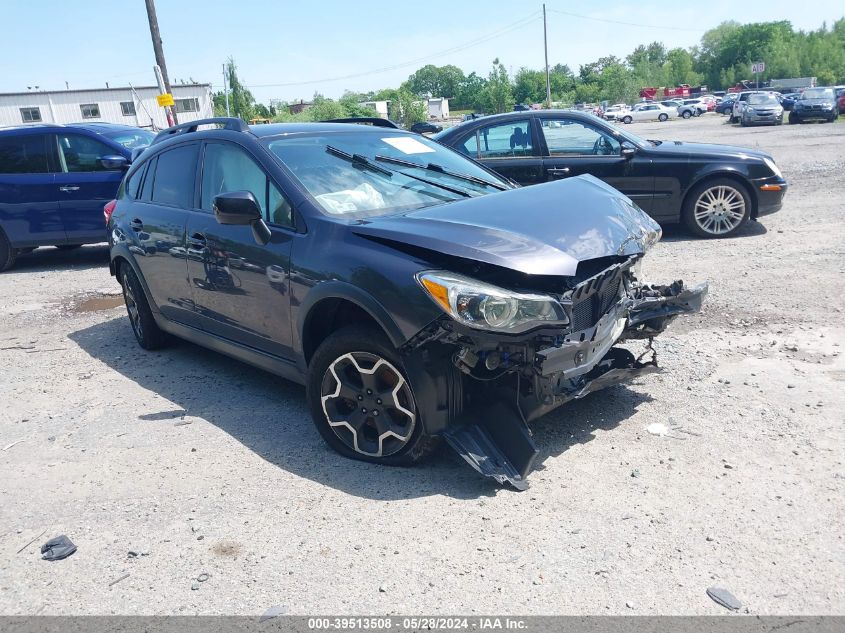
[
  {"x": 407, "y": 109},
  {"x": 436, "y": 81},
  {"x": 497, "y": 94},
  {"x": 529, "y": 86},
  {"x": 241, "y": 101},
  {"x": 469, "y": 92}
]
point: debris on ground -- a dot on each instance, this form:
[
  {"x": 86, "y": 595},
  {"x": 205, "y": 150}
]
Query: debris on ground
[
  {"x": 57, "y": 548},
  {"x": 8, "y": 446},
  {"x": 657, "y": 428},
  {"x": 117, "y": 580},
  {"x": 203, "y": 577},
  {"x": 724, "y": 598}
]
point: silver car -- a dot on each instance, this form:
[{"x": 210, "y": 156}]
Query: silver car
[{"x": 761, "y": 108}]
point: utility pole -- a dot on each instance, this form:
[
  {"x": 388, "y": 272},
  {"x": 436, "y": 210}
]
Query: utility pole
[
  {"x": 159, "y": 53},
  {"x": 226, "y": 89},
  {"x": 546, "y": 47}
]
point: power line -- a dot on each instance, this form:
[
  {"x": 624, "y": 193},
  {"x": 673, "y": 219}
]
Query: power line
[
  {"x": 645, "y": 26},
  {"x": 519, "y": 24}
]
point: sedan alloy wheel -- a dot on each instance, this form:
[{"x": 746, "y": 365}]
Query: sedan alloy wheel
[{"x": 719, "y": 210}]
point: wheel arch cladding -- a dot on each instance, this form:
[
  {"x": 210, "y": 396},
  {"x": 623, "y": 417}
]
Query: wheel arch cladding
[
  {"x": 329, "y": 313},
  {"x": 736, "y": 176}
]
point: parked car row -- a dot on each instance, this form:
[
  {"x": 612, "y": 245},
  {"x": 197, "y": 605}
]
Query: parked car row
[{"x": 753, "y": 107}]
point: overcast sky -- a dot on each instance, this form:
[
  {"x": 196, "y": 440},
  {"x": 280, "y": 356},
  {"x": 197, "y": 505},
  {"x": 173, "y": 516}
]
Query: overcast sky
[{"x": 288, "y": 50}]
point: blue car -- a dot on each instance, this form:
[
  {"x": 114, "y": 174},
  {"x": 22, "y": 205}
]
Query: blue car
[{"x": 54, "y": 181}]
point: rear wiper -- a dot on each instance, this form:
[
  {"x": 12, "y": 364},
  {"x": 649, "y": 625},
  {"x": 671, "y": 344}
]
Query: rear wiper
[
  {"x": 359, "y": 161},
  {"x": 440, "y": 169}
]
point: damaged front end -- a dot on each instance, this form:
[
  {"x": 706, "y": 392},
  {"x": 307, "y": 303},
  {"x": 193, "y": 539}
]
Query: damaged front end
[{"x": 510, "y": 380}]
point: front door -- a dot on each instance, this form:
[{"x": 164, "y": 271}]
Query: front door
[
  {"x": 84, "y": 186},
  {"x": 509, "y": 149},
  {"x": 240, "y": 287},
  {"x": 575, "y": 147},
  {"x": 29, "y": 214}
]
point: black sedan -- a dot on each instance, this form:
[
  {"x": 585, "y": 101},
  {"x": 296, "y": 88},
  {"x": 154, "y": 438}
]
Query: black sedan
[
  {"x": 712, "y": 189},
  {"x": 425, "y": 127}
]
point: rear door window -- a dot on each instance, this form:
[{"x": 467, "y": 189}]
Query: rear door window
[
  {"x": 25, "y": 154},
  {"x": 174, "y": 176},
  {"x": 505, "y": 140}
]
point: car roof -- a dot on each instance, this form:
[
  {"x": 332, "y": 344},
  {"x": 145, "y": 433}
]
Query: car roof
[
  {"x": 97, "y": 127},
  {"x": 278, "y": 129}
]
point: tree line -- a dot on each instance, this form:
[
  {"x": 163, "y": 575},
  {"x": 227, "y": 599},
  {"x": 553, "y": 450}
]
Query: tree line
[{"x": 721, "y": 59}]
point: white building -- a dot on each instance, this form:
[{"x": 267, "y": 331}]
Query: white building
[
  {"x": 381, "y": 107},
  {"x": 438, "y": 108},
  {"x": 129, "y": 106}
]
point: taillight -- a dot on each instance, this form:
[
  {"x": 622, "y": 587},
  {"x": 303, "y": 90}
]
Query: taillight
[{"x": 108, "y": 210}]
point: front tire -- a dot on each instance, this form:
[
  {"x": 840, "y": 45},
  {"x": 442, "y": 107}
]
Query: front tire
[
  {"x": 717, "y": 208},
  {"x": 8, "y": 255},
  {"x": 361, "y": 400},
  {"x": 144, "y": 327},
  {"x": 793, "y": 118}
]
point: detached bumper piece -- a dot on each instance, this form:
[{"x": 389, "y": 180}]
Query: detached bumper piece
[{"x": 495, "y": 439}]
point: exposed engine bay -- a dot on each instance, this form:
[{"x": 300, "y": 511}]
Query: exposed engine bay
[{"x": 508, "y": 381}]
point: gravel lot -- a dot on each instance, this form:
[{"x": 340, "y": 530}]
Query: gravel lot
[{"x": 200, "y": 464}]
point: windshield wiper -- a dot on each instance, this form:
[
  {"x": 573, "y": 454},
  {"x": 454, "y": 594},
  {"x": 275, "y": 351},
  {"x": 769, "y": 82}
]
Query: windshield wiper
[
  {"x": 359, "y": 161},
  {"x": 440, "y": 169},
  {"x": 365, "y": 163}
]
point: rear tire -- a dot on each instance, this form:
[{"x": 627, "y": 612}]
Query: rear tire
[
  {"x": 626, "y": 119},
  {"x": 687, "y": 114},
  {"x": 341, "y": 367},
  {"x": 144, "y": 327},
  {"x": 8, "y": 255},
  {"x": 663, "y": 117}
]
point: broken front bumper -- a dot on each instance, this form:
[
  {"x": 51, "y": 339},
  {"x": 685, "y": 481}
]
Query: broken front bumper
[{"x": 496, "y": 441}]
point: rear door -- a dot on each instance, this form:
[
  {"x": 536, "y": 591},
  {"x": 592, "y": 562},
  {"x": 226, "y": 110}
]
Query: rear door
[
  {"x": 241, "y": 288},
  {"x": 573, "y": 147},
  {"x": 84, "y": 185},
  {"x": 509, "y": 148},
  {"x": 155, "y": 222},
  {"x": 29, "y": 206}
]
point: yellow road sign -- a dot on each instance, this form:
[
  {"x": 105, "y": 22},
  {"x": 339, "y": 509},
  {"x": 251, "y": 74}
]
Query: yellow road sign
[{"x": 165, "y": 100}]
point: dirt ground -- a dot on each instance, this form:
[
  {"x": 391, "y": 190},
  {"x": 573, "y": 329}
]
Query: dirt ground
[{"x": 168, "y": 465}]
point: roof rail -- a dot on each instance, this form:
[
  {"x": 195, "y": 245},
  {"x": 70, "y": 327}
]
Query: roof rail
[
  {"x": 372, "y": 120},
  {"x": 228, "y": 123}
]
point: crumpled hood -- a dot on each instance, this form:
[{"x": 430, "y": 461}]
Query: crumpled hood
[{"x": 540, "y": 230}]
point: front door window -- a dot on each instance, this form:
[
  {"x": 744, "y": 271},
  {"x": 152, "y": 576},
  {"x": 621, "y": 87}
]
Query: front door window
[{"x": 569, "y": 137}]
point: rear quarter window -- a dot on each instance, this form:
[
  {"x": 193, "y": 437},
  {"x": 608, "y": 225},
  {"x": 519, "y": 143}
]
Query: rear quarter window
[
  {"x": 133, "y": 183},
  {"x": 25, "y": 154}
]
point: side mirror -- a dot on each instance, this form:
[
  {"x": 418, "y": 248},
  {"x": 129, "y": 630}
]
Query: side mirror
[
  {"x": 236, "y": 207},
  {"x": 628, "y": 150},
  {"x": 241, "y": 208},
  {"x": 114, "y": 162}
]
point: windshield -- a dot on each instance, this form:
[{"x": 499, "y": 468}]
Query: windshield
[
  {"x": 817, "y": 93},
  {"x": 132, "y": 139},
  {"x": 351, "y": 174},
  {"x": 762, "y": 100}
]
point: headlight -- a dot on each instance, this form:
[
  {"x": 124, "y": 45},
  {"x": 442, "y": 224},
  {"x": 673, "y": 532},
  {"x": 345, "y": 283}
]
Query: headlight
[
  {"x": 771, "y": 165},
  {"x": 484, "y": 306}
]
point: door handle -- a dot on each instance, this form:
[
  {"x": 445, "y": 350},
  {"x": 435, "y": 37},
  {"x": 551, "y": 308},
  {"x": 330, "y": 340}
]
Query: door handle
[
  {"x": 558, "y": 171},
  {"x": 69, "y": 188},
  {"x": 136, "y": 224},
  {"x": 197, "y": 240}
]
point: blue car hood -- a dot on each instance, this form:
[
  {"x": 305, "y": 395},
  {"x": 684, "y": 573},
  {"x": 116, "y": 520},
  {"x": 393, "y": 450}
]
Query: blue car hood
[{"x": 545, "y": 229}]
